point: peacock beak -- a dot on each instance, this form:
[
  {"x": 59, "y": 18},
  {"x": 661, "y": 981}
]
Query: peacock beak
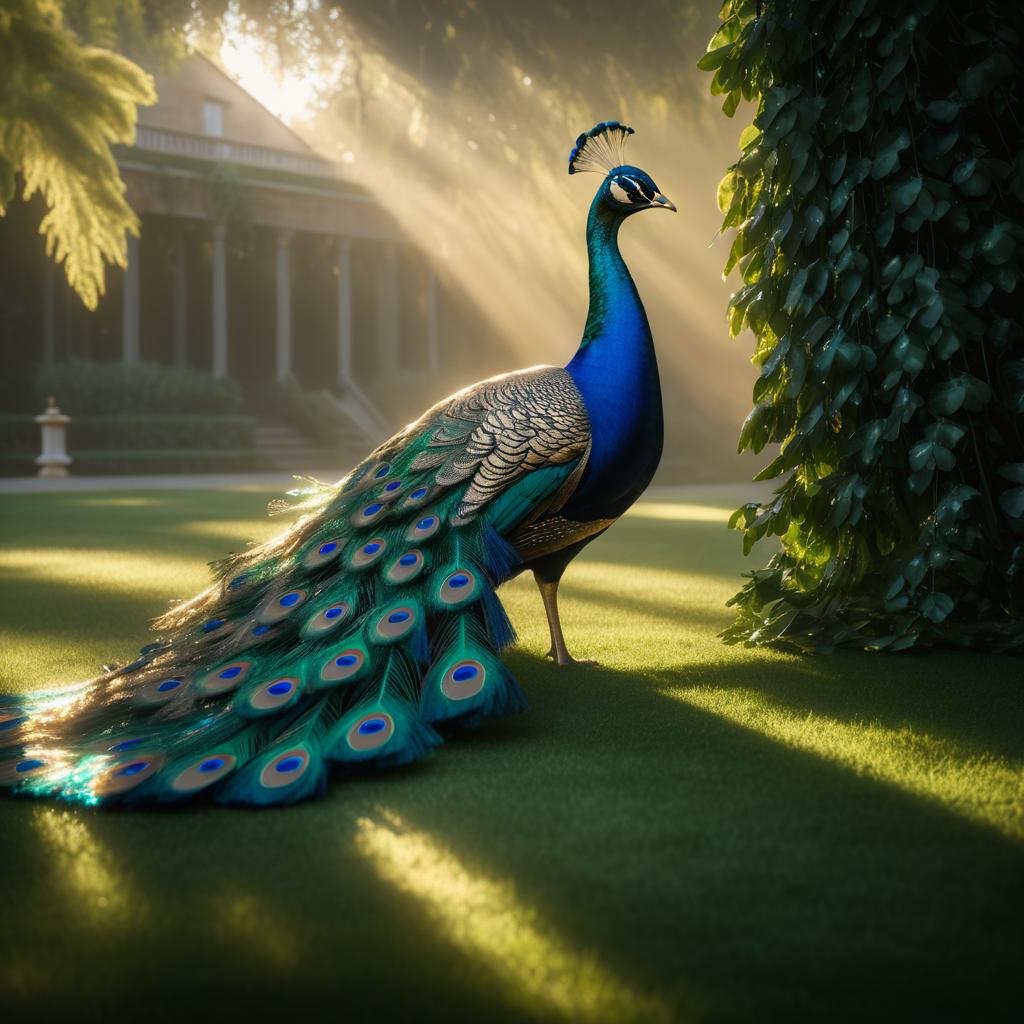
[{"x": 660, "y": 200}]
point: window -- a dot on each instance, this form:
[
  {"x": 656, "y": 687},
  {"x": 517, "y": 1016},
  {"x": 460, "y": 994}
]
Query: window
[{"x": 213, "y": 118}]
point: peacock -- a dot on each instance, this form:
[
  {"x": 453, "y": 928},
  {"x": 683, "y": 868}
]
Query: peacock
[{"x": 358, "y": 636}]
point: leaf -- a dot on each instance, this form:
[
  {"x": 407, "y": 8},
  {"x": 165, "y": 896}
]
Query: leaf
[
  {"x": 903, "y": 196},
  {"x": 1012, "y": 502},
  {"x": 936, "y": 606},
  {"x": 713, "y": 59},
  {"x": 813, "y": 220},
  {"x": 942, "y": 110},
  {"x": 754, "y": 432},
  {"x": 947, "y": 398},
  {"x": 726, "y": 191}
]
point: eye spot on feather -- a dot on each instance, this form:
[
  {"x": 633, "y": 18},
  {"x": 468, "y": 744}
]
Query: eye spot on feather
[
  {"x": 369, "y": 513},
  {"x": 10, "y": 721},
  {"x": 463, "y": 680},
  {"x": 321, "y": 554},
  {"x": 119, "y": 778},
  {"x": 391, "y": 486},
  {"x": 160, "y": 691},
  {"x": 213, "y": 625},
  {"x": 285, "y": 769},
  {"x": 261, "y": 630},
  {"x": 370, "y": 732},
  {"x": 405, "y": 568},
  {"x": 30, "y": 764},
  {"x": 277, "y": 608},
  {"x": 459, "y": 588},
  {"x": 224, "y": 678},
  {"x": 394, "y": 624},
  {"x": 328, "y": 618},
  {"x": 205, "y": 771},
  {"x": 275, "y": 694},
  {"x": 417, "y": 497},
  {"x": 346, "y": 664},
  {"x": 423, "y": 529},
  {"x": 382, "y": 471},
  {"x": 239, "y": 581},
  {"x": 366, "y": 554}
]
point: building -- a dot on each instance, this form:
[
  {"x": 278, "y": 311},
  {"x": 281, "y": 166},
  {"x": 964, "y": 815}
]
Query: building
[{"x": 258, "y": 259}]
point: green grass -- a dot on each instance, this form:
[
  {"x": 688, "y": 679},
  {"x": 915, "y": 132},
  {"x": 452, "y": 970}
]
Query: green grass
[{"x": 689, "y": 831}]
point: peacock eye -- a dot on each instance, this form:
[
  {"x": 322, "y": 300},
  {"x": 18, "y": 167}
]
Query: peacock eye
[{"x": 619, "y": 194}]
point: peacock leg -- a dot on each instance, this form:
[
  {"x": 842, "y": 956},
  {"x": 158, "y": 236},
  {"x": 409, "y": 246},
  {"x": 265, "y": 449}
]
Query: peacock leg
[{"x": 558, "y": 651}]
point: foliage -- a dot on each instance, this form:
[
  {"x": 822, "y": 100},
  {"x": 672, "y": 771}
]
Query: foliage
[
  {"x": 877, "y": 208},
  {"x": 134, "y": 432},
  {"x": 62, "y": 105},
  {"x": 82, "y": 386}
]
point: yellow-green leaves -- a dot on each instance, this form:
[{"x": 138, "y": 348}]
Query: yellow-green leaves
[{"x": 62, "y": 105}]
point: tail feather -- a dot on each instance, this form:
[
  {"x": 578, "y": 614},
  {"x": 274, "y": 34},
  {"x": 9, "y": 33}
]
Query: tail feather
[{"x": 340, "y": 642}]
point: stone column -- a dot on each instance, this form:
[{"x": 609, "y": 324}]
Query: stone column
[
  {"x": 388, "y": 311},
  {"x": 49, "y": 313},
  {"x": 180, "y": 301},
  {"x": 433, "y": 333},
  {"x": 220, "y": 303},
  {"x": 344, "y": 311},
  {"x": 284, "y": 308},
  {"x": 130, "y": 305}
]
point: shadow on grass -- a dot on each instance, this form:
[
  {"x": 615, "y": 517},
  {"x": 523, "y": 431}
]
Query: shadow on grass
[{"x": 707, "y": 865}]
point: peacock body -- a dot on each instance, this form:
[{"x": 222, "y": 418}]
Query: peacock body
[{"x": 373, "y": 622}]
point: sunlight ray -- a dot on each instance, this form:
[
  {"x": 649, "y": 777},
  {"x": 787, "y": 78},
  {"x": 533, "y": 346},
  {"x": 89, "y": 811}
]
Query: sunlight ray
[
  {"x": 484, "y": 918},
  {"x": 146, "y": 573},
  {"x": 86, "y": 868},
  {"x": 679, "y": 512},
  {"x": 982, "y": 788}
]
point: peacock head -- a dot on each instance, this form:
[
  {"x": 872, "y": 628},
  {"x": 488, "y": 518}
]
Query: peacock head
[{"x": 625, "y": 189}]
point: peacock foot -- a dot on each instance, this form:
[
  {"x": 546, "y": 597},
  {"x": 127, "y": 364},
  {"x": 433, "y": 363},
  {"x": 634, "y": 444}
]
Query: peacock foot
[{"x": 565, "y": 658}]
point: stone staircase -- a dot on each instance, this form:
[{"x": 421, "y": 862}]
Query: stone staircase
[{"x": 287, "y": 449}]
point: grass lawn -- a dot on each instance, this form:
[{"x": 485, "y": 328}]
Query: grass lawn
[{"x": 687, "y": 832}]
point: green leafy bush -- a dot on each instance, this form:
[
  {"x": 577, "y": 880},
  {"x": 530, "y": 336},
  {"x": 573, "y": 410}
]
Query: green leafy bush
[
  {"x": 83, "y": 386},
  {"x": 877, "y": 208},
  {"x": 126, "y": 433}
]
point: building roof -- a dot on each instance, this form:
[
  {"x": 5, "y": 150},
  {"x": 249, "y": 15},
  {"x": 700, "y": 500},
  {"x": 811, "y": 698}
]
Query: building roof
[{"x": 184, "y": 92}]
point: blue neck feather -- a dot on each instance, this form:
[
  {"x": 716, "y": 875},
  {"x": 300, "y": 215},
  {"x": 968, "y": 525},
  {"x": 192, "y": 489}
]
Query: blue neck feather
[{"x": 616, "y": 371}]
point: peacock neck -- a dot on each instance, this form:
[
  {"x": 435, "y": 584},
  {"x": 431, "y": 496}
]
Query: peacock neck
[
  {"x": 615, "y": 305},
  {"x": 616, "y": 372}
]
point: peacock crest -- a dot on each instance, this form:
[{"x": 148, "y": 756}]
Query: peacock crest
[{"x": 601, "y": 149}]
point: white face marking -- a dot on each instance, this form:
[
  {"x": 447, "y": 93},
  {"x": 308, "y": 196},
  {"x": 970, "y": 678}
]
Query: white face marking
[{"x": 619, "y": 194}]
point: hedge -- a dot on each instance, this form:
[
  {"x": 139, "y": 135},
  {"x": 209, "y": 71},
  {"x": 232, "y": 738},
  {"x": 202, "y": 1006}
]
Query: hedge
[
  {"x": 132, "y": 433},
  {"x": 86, "y": 387},
  {"x": 102, "y": 463}
]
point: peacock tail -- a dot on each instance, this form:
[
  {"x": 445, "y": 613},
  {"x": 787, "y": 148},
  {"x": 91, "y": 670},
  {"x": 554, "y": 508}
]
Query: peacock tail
[{"x": 345, "y": 643}]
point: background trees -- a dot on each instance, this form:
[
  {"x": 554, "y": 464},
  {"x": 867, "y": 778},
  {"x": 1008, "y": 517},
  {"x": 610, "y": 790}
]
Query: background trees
[
  {"x": 877, "y": 208},
  {"x": 62, "y": 104}
]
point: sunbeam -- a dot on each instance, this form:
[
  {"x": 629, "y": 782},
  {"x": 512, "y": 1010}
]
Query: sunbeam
[{"x": 485, "y": 919}]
